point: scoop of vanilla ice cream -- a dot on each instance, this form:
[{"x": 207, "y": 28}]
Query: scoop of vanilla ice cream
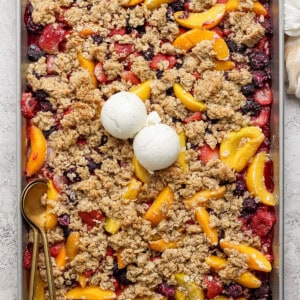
[
  {"x": 123, "y": 115},
  {"x": 292, "y": 17},
  {"x": 156, "y": 147}
]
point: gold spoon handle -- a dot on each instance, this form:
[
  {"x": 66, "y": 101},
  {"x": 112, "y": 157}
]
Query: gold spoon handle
[
  {"x": 51, "y": 287},
  {"x": 32, "y": 282}
]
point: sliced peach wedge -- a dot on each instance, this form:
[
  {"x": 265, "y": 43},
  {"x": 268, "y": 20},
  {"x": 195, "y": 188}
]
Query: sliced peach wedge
[
  {"x": 140, "y": 172},
  {"x": 191, "y": 38},
  {"x": 187, "y": 99},
  {"x": 38, "y": 150},
  {"x": 52, "y": 195},
  {"x": 152, "y": 4},
  {"x": 91, "y": 293},
  {"x": 142, "y": 90},
  {"x": 182, "y": 154},
  {"x": 72, "y": 244},
  {"x": 207, "y": 19},
  {"x": 89, "y": 66},
  {"x": 258, "y": 8},
  {"x": 160, "y": 245},
  {"x": 132, "y": 3},
  {"x": 159, "y": 208}
]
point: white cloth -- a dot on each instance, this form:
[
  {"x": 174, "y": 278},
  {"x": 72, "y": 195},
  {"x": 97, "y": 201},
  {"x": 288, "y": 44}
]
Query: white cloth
[{"x": 292, "y": 60}]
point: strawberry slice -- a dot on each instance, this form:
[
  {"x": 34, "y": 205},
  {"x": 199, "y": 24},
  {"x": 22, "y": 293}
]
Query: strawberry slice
[
  {"x": 54, "y": 249},
  {"x": 131, "y": 77},
  {"x": 50, "y": 64},
  {"x": 264, "y": 96},
  {"x": 123, "y": 50},
  {"x": 121, "y": 31},
  {"x": 262, "y": 119},
  {"x": 27, "y": 259},
  {"x": 214, "y": 286},
  {"x": 99, "y": 72},
  {"x": 197, "y": 116},
  {"x": 91, "y": 217},
  {"x": 161, "y": 58},
  {"x": 265, "y": 46},
  {"x": 263, "y": 221},
  {"x": 28, "y": 105},
  {"x": 206, "y": 153},
  {"x": 51, "y": 36}
]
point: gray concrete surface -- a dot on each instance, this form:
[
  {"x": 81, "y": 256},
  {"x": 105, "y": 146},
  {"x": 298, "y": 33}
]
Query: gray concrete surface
[{"x": 8, "y": 213}]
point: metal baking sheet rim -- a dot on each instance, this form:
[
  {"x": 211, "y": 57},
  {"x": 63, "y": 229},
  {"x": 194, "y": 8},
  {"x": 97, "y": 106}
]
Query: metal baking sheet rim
[{"x": 277, "y": 151}]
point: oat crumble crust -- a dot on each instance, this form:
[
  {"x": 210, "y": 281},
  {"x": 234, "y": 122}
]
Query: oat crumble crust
[{"x": 70, "y": 89}]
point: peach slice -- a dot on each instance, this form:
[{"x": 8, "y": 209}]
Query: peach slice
[
  {"x": 89, "y": 66},
  {"x": 52, "y": 195},
  {"x": 187, "y": 99},
  {"x": 158, "y": 210},
  {"x": 82, "y": 280},
  {"x": 152, "y": 4},
  {"x": 255, "y": 180},
  {"x": 72, "y": 244},
  {"x": 112, "y": 226},
  {"x": 132, "y": 3},
  {"x": 207, "y": 19},
  {"x": 86, "y": 32},
  {"x": 61, "y": 258},
  {"x": 140, "y": 172},
  {"x": 121, "y": 263},
  {"x": 91, "y": 293},
  {"x": 179, "y": 295},
  {"x": 182, "y": 153},
  {"x": 224, "y": 65},
  {"x": 258, "y": 8},
  {"x": 203, "y": 219},
  {"x": 132, "y": 190},
  {"x": 142, "y": 90},
  {"x": 201, "y": 198},
  {"x": 39, "y": 288},
  {"x": 256, "y": 260},
  {"x": 235, "y": 153},
  {"x": 191, "y": 38},
  {"x": 38, "y": 150},
  {"x": 246, "y": 279},
  {"x": 161, "y": 245},
  {"x": 194, "y": 292}
]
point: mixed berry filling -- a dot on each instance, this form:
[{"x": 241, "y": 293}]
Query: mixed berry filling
[{"x": 199, "y": 229}]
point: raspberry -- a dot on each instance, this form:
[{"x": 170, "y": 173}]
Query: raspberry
[
  {"x": 177, "y": 5},
  {"x": 166, "y": 290},
  {"x": 27, "y": 259},
  {"x": 240, "y": 188},
  {"x": 54, "y": 249},
  {"x": 260, "y": 77},
  {"x": 30, "y": 25},
  {"x": 262, "y": 222},
  {"x": 234, "y": 290},
  {"x": 263, "y": 292},
  {"x": 64, "y": 220},
  {"x": 28, "y": 105},
  {"x": 258, "y": 60},
  {"x": 214, "y": 286},
  {"x": 249, "y": 206},
  {"x": 267, "y": 24}
]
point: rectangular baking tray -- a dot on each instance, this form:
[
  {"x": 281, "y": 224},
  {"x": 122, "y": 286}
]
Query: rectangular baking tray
[{"x": 276, "y": 149}]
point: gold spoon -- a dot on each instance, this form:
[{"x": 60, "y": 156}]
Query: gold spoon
[{"x": 35, "y": 214}]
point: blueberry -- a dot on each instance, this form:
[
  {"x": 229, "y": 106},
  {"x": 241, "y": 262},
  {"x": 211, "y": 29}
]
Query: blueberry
[
  {"x": 64, "y": 220},
  {"x": 251, "y": 107},
  {"x": 159, "y": 74},
  {"x": 34, "y": 52},
  {"x": 240, "y": 188},
  {"x": 177, "y": 5},
  {"x": 169, "y": 91},
  {"x": 41, "y": 95},
  {"x": 48, "y": 132},
  {"x": 248, "y": 90},
  {"x": 148, "y": 54},
  {"x": 71, "y": 196},
  {"x": 104, "y": 140},
  {"x": 166, "y": 290},
  {"x": 92, "y": 165},
  {"x": 120, "y": 274},
  {"x": 258, "y": 60},
  {"x": 234, "y": 290},
  {"x": 72, "y": 176},
  {"x": 97, "y": 39},
  {"x": 263, "y": 292},
  {"x": 66, "y": 231},
  {"x": 141, "y": 29},
  {"x": 129, "y": 29},
  {"x": 232, "y": 45},
  {"x": 46, "y": 106},
  {"x": 249, "y": 206}
]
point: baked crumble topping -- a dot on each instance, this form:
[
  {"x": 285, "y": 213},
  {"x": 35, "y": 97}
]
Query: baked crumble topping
[{"x": 94, "y": 49}]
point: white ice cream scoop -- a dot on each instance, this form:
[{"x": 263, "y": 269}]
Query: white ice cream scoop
[
  {"x": 156, "y": 147},
  {"x": 123, "y": 115}
]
